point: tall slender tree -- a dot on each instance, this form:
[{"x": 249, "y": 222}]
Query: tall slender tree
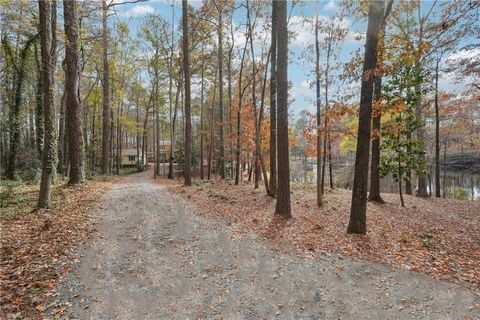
[
  {"x": 437, "y": 130},
  {"x": 74, "y": 127},
  {"x": 377, "y": 112},
  {"x": 220, "y": 89},
  {"x": 20, "y": 65},
  {"x": 273, "y": 104},
  {"x": 188, "y": 119},
  {"x": 106, "y": 92},
  {"x": 358, "y": 210},
  {"x": 318, "y": 104},
  {"x": 282, "y": 207},
  {"x": 49, "y": 151}
]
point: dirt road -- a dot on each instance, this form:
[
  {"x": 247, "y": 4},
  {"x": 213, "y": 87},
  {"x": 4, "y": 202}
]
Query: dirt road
[{"x": 153, "y": 258}]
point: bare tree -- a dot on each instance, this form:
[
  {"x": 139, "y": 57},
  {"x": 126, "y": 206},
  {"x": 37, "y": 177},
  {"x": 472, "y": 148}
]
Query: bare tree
[
  {"x": 188, "y": 119},
  {"x": 273, "y": 104},
  {"x": 283, "y": 207},
  {"x": 220, "y": 89},
  {"x": 106, "y": 92},
  {"x": 358, "y": 216},
  {"x": 319, "y": 138}
]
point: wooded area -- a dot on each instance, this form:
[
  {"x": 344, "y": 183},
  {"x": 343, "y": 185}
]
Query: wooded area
[{"x": 210, "y": 91}]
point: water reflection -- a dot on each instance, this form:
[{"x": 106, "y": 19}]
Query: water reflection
[{"x": 461, "y": 185}]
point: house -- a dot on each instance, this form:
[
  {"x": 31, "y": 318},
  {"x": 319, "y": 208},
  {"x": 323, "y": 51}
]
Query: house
[
  {"x": 165, "y": 146},
  {"x": 129, "y": 157}
]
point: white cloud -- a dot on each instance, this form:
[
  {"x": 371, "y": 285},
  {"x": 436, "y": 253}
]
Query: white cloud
[
  {"x": 463, "y": 54},
  {"x": 331, "y": 5},
  {"x": 304, "y": 95},
  {"x": 139, "y": 10}
]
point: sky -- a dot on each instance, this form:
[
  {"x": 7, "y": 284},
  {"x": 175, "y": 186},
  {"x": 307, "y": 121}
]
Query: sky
[{"x": 299, "y": 69}]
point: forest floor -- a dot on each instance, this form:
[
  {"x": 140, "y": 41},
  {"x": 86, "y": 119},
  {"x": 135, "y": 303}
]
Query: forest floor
[
  {"x": 156, "y": 255},
  {"x": 36, "y": 246}
]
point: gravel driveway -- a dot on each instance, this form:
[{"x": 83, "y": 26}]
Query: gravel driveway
[{"x": 153, "y": 258}]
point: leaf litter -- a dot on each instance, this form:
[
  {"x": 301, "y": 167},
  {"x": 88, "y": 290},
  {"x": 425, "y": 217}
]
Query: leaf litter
[{"x": 36, "y": 245}]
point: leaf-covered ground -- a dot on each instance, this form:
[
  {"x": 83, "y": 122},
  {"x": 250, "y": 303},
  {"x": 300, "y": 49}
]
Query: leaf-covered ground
[
  {"x": 35, "y": 245},
  {"x": 439, "y": 237}
]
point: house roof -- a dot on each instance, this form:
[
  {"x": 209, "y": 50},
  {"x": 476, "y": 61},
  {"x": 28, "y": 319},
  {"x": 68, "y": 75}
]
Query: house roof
[{"x": 130, "y": 152}]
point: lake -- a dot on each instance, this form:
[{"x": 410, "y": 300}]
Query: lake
[{"x": 463, "y": 185}]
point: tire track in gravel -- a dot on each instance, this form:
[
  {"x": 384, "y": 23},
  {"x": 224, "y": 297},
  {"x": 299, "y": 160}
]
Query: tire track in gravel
[{"x": 153, "y": 258}]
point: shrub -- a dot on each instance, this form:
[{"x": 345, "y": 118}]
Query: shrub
[{"x": 459, "y": 193}]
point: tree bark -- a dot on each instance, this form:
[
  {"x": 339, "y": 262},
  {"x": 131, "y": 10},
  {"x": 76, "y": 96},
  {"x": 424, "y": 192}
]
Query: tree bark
[
  {"x": 106, "y": 92},
  {"x": 238, "y": 138},
  {"x": 39, "y": 112},
  {"x": 254, "y": 100},
  {"x": 220, "y": 91},
  {"x": 188, "y": 120},
  {"x": 319, "y": 138},
  {"x": 260, "y": 120},
  {"x": 273, "y": 104},
  {"x": 49, "y": 150},
  {"x": 202, "y": 107},
  {"x": 437, "y": 135},
  {"x": 211, "y": 147},
  {"x": 377, "y": 114},
  {"x": 282, "y": 207},
  {"x": 358, "y": 217},
  {"x": 61, "y": 134},
  {"x": 14, "y": 120},
  {"x": 74, "y": 127},
  {"x": 374, "y": 168},
  {"x": 326, "y": 139},
  {"x": 422, "y": 178},
  {"x": 171, "y": 168}
]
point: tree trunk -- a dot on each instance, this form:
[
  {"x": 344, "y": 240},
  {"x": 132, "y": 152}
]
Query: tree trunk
[
  {"x": 400, "y": 192},
  {"x": 408, "y": 183},
  {"x": 202, "y": 107},
  {"x": 319, "y": 138},
  {"x": 327, "y": 130},
  {"x": 260, "y": 120},
  {"x": 273, "y": 104},
  {"x": 74, "y": 127},
  {"x": 422, "y": 179},
  {"x": 230, "y": 124},
  {"x": 330, "y": 166},
  {"x": 240, "y": 96},
  {"x": 39, "y": 112},
  {"x": 49, "y": 150},
  {"x": 374, "y": 168},
  {"x": 254, "y": 100},
  {"x": 437, "y": 135},
  {"x": 282, "y": 207},
  {"x": 358, "y": 219},
  {"x": 211, "y": 147},
  {"x": 14, "y": 120},
  {"x": 137, "y": 133},
  {"x": 171, "y": 168},
  {"x": 61, "y": 135},
  {"x": 188, "y": 120},
  {"x": 106, "y": 92},
  {"x": 220, "y": 91},
  {"x": 157, "y": 126},
  {"x": 377, "y": 114}
]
